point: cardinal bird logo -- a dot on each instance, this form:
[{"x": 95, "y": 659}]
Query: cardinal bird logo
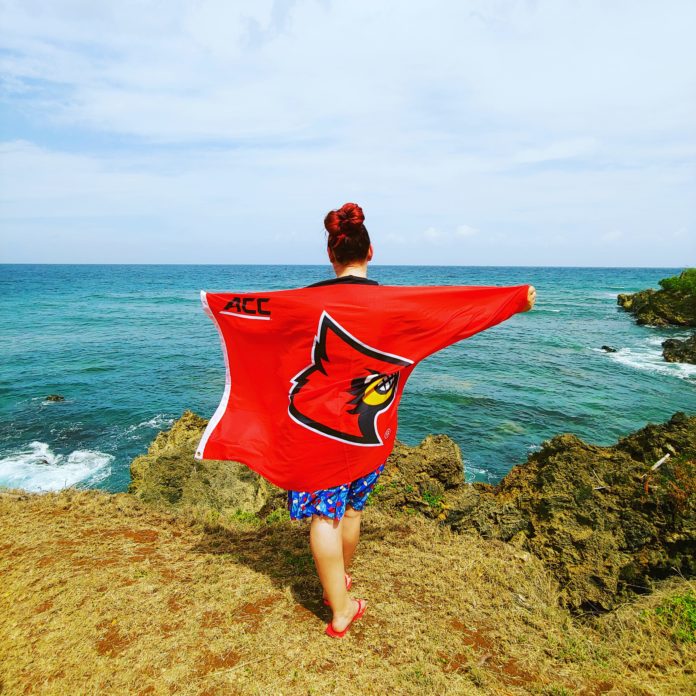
[{"x": 347, "y": 385}]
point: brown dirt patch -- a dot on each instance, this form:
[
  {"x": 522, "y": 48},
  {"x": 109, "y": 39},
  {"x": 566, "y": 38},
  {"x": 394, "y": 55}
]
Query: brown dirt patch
[
  {"x": 211, "y": 662},
  {"x": 174, "y": 605},
  {"x": 92, "y": 562},
  {"x": 301, "y": 613},
  {"x": 112, "y": 642},
  {"x": 168, "y": 629},
  {"x": 143, "y": 553},
  {"x": 482, "y": 644},
  {"x": 44, "y": 606},
  {"x": 212, "y": 619},
  {"x": 167, "y": 573},
  {"x": 141, "y": 536},
  {"x": 252, "y": 613}
]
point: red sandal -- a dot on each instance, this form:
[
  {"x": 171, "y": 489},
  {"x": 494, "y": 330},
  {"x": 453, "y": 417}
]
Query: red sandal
[
  {"x": 349, "y": 582},
  {"x": 330, "y": 631}
]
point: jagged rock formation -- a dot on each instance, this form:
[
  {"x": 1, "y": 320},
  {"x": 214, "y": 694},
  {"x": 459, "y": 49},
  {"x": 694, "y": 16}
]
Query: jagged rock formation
[
  {"x": 415, "y": 479},
  {"x": 674, "y": 304},
  {"x": 601, "y": 521},
  {"x": 675, "y": 350},
  {"x": 168, "y": 475}
]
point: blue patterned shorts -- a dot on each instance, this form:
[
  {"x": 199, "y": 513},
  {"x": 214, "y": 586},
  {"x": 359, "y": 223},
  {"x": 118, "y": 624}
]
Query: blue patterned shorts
[{"x": 332, "y": 502}]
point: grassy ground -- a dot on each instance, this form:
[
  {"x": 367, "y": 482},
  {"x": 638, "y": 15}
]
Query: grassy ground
[{"x": 102, "y": 594}]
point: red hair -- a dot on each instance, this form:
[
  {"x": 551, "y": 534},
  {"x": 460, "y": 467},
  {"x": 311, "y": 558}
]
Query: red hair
[{"x": 348, "y": 238}]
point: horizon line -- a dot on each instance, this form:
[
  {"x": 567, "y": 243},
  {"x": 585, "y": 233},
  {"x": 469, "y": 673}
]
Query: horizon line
[{"x": 324, "y": 265}]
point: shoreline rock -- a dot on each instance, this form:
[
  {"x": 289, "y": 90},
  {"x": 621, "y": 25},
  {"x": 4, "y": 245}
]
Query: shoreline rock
[
  {"x": 169, "y": 476},
  {"x": 604, "y": 525},
  {"x": 673, "y": 305},
  {"x": 676, "y": 350}
]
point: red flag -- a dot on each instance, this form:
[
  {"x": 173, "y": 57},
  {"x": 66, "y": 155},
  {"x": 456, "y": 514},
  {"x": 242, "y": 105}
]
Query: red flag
[{"x": 315, "y": 375}]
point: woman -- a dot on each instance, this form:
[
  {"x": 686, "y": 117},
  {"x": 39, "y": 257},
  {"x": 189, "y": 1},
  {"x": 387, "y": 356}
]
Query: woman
[{"x": 336, "y": 512}]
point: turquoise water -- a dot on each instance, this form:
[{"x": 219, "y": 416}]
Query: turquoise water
[{"x": 130, "y": 349}]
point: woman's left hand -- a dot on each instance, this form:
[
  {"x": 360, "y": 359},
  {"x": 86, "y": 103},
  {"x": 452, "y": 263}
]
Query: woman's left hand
[{"x": 531, "y": 298}]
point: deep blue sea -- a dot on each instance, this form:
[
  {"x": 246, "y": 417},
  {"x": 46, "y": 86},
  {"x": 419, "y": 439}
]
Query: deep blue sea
[{"x": 130, "y": 348}]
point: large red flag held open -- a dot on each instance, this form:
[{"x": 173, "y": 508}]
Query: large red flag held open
[{"x": 315, "y": 374}]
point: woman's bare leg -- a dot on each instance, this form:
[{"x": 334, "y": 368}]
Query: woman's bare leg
[
  {"x": 350, "y": 534},
  {"x": 326, "y": 542}
]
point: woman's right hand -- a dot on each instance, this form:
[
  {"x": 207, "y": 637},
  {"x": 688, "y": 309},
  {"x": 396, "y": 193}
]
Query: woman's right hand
[{"x": 531, "y": 298}]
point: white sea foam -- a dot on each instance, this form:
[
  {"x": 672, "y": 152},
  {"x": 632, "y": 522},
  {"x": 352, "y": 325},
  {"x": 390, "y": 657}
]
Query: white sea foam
[
  {"x": 604, "y": 294},
  {"x": 474, "y": 473},
  {"x": 37, "y": 468},
  {"x": 159, "y": 421},
  {"x": 647, "y": 356}
]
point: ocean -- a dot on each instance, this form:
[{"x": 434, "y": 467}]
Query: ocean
[{"x": 130, "y": 349}]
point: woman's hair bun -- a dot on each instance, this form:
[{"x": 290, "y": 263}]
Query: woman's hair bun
[{"x": 347, "y": 219}]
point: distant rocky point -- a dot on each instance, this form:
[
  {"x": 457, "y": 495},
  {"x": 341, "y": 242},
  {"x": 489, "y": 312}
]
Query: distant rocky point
[
  {"x": 673, "y": 305},
  {"x": 602, "y": 521}
]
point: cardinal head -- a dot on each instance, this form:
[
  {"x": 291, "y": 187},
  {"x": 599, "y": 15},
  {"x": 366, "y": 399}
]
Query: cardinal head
[{"x": 345, "y": 387}]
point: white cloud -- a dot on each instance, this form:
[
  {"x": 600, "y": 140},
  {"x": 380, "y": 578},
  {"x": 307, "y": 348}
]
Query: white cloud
[
  {"x": 432, "y": 233},
  {"x": 466, "y": 231}
]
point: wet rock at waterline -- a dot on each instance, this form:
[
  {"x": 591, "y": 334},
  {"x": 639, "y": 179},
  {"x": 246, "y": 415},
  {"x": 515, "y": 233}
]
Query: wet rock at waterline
[{"x": 684, "y": 351}]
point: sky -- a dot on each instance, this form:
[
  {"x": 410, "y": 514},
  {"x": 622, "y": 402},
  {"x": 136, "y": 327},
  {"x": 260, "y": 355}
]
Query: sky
[{"x": 471, "y": 132}]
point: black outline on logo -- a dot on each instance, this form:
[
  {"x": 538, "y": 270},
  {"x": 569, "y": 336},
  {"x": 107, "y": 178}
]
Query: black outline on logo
[{"x": 319, "y": 355}]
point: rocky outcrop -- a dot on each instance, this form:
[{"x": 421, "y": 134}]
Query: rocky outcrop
[
  {"x": 597, "y": 516},
  {"x": 674, "y": 304},
  {"x": 169, "y": 476},
  {"x": 416, "y": 478},
  {"x": 601, "y": 521},
  {"x": 675, "y": 350},
  {"x": 422, "y": 478}
]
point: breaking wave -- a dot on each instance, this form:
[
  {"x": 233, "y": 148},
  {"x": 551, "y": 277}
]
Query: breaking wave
[
  {"x": 647, "y": 356},
  {"x": 37, "y": 468}
]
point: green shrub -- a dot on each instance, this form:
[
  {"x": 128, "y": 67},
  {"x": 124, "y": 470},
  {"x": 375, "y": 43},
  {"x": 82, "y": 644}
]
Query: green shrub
[
  {"x": 432, "y": 499},
  {"x": 244, "y": 517},
  {"x": 679, "y": 613},
  {"x": 279, "y": 515},
  {"x": 684, "y": 282}
]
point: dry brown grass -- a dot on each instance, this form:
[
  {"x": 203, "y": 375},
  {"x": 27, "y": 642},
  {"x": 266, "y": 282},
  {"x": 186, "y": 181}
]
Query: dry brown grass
[{"x": 103, "y": 595}]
